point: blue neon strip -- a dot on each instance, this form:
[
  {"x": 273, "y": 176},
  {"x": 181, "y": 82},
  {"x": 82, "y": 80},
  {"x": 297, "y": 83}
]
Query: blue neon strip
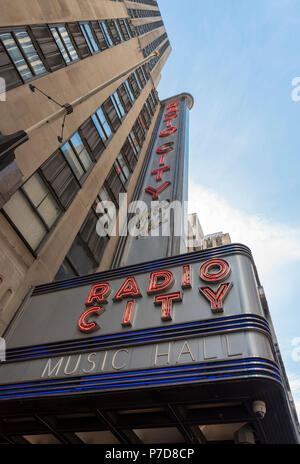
[
  {"x": 257, "y": 363},
  {"x": 131, "y": 341},
  {"x": 127, "y": 342},
  {"x": 208, "y": 323},
  {"x": 170, "y": 327},
  {"x": 120, "y": 377},
  {"x": 188, "y": 257},
  {"x": 79, "y": 343},
  {"x": 141, "y": 383}
]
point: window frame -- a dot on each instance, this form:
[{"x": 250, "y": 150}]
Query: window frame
[
  {"x": 48, "y": 229},
  {"x": 106, "y": 34},
  {"x": 12, "y": 30},
  {"x": 56, "y": 26},
  {"x": 102, "y": 126},
  {"x": 86, "y": 172},
  {"x": 90, "y": 45}
]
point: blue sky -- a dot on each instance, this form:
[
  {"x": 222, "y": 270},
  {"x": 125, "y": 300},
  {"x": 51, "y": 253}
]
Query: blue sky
[{"x": 238, "y": 58}]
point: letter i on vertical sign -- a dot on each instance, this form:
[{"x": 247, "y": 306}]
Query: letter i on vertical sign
[{"x": 128, "y": 315}]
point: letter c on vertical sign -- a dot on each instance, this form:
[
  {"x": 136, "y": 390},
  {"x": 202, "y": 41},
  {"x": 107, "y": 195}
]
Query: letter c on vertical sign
[
  {"x": 165, "y": 148},
  {"x": 86, "y": 326}
]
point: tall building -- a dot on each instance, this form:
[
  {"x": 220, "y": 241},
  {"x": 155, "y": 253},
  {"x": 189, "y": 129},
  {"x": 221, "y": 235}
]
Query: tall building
[
  {"x": 119, "y": 338},
  {"x": 65, "y": 49}
]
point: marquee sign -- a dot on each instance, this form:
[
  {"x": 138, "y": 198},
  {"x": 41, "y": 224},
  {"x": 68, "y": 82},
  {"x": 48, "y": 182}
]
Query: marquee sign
[
  {"x": 158, "y": 319},
  {"x": 212, "y": 270}
]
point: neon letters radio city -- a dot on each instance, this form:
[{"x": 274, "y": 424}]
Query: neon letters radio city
[
  {"x": 213, "y": 271},
  {"x": 162, "y": 150}
]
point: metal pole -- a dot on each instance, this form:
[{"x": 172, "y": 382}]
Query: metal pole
[{"x": 57, "y": 114}]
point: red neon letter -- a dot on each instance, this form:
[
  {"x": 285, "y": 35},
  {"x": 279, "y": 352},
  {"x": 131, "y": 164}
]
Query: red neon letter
[
  {"x": 166, "y": 301},
  {"x": 159, "y": 172},
  {"x": 171, "y": 114},
  {"x": 155, "y": 192},
  {"x": 216, "y": 298},
  {"x": 98, "y": 292},
  {"x": 168, "y": 131},
  {"x": 165, "y": 148},
  {"x": 129, "y": 289},
  {"x": 85, "y": 326},
  {"x": 223, "y": 270},
  {"x": 160, "y": 280},
  {"x": 171, "y": 105},
  {"x": 162, "y": 159},
  {"x": 186, "y": 277},
  {"x": 128, "y": 314}
]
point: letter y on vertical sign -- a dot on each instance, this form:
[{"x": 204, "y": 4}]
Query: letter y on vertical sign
[{"x": 217, "y": 298}]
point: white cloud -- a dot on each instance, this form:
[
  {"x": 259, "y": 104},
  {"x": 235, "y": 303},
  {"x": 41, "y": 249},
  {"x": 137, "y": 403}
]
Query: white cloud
[{"x": 272, "y": 245}]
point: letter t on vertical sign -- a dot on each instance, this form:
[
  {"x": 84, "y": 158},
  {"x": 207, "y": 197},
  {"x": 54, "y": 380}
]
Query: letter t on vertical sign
[{"x": 166, "y": 301}]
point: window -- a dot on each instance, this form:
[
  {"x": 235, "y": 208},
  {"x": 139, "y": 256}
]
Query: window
[
  {"x": 134, "y": 142},
  {"x": 127, "y": 28},
  {"x": 77, "y": 156},
  {"x": 33, "y": 211},
  {"x": 118, "y": 30},
  {"x": 102, "y": 124},
  {"x": 88, "y": 247},
  {"x": 100, "y": 209},
  {"x": 138, "y": 80},
  {"x": 89, "y": 37},
  {"x": 113, "y": 31},
  {"x": 115, "y": 184},
  {"x": 131, "y": 97},
  {"x": 129, "y": 153},
  {"x": 20, "y": 48},
  {"x": 80, "y": 259},
  {"x": 122, "y": 169},
  {"x": 79, "y": 40},
  {"x": 64, "y": 43},
  {"x": 118, "y": 105},
  {"x": 105, "y": 33},
  {"x": 93, "y": 137},
  {"x": 124, "y": 98},
  {"x": 60, "y": 176},
  {"x": 143, "y": 73},
  {"x": 111, "y": 114}
]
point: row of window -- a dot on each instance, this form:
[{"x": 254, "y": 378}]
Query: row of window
[
  {"x": 144, "y": 28},
  {"x": 162, "y": 50},
  {"x": 147, "y": 2},
  {"x": 28, "y": 52},
  {"x": 153, "y": 45},
  {"x": 34, "y": 209},
  {"x": 134, "y": 13},
  {"x": 88, "y": 247}
]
